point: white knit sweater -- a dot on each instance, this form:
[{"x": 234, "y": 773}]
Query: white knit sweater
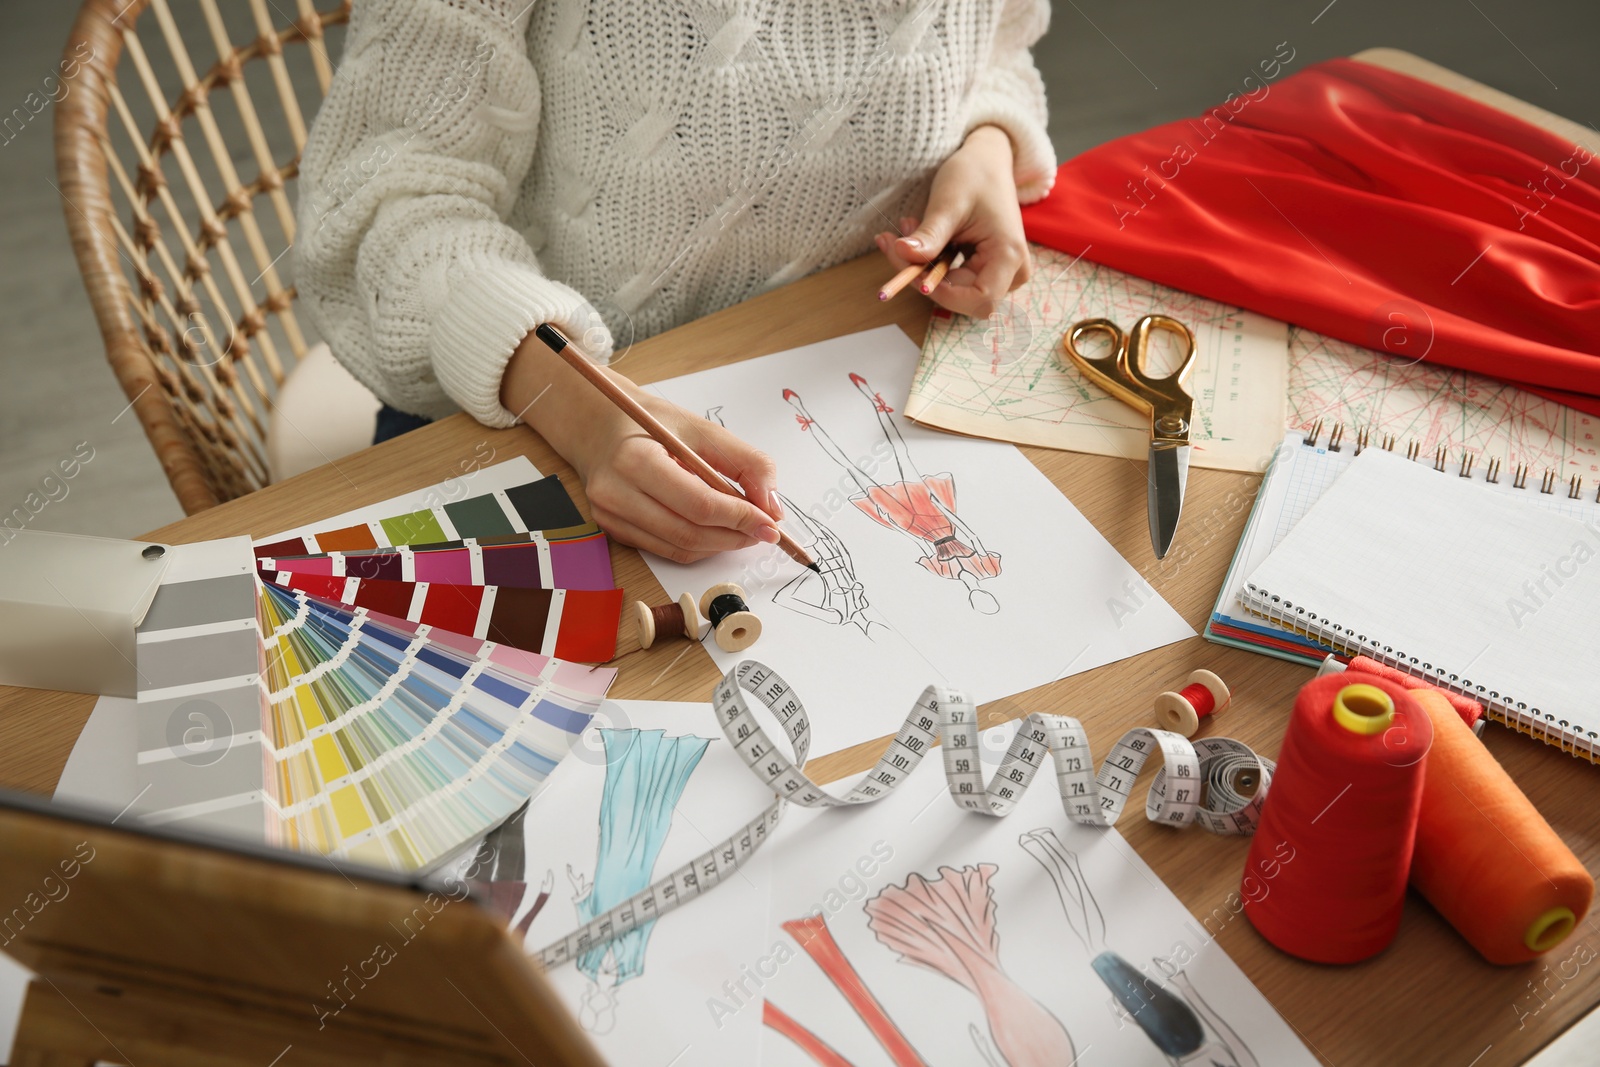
[{"x": 618, "y": 167}]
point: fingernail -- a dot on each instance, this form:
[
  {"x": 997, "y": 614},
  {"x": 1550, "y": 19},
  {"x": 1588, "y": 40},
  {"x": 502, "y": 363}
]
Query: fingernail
[
  {"x": 774, "y": 505},
  {"x": 914, "y": 242},
  {"x": 769, "y": 534}
]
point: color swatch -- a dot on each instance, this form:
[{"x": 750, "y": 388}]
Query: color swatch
[
  {"x": 543, "y": 505},
  {"x": 203, "y": 718},
  {"x": 579, "y": 558},
  {"x": 574, "y": 624},
  {"x": 268, "y": 714},
  {"x": 395, "y": 749}
]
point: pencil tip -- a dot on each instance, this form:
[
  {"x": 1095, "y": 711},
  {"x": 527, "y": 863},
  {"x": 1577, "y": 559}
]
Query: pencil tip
[
  {"x": 813, "y": 567},
  {"x": 882, "y": 295}
]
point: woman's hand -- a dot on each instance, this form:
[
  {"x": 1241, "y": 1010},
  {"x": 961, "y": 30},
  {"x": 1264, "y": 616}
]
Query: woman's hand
[
  {"x": 642, "y": 496},
  {"x": 973, "y": 203},
  {"x": 638, "y": 493}
]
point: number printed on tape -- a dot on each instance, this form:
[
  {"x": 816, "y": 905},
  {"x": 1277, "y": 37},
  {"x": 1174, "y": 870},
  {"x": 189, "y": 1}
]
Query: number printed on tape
[{"x": 1197, "y": 782}]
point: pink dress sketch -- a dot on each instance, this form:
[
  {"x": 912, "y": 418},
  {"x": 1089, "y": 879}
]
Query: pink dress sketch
[
  {"x": 923, "y": 507},
  {"x": 947, "y": 925}
]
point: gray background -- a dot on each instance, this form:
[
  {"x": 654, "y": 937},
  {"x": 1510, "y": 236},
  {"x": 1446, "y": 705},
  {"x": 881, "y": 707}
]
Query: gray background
[{"x": 1112, "y": 67}]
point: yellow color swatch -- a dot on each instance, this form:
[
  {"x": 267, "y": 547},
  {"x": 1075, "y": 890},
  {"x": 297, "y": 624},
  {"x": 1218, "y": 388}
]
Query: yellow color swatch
[
  {"x": 329, "y": 761},
  {"x": 350, "y": 812}
]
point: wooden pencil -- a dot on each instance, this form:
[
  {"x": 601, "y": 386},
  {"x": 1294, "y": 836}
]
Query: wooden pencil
[
  {"x": 900, "y": 280},
  {"x": 940, "y": 267},
  {"x": 934, "y": 270},
  {"x": 557, "y": 342}
]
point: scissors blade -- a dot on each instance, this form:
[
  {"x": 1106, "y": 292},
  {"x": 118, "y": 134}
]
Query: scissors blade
[{"x": 1169, "y": 473}]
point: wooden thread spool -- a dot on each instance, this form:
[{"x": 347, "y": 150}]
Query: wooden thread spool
[
  {"x": 736, "y": 627},
  {"x": 667, "y": 620},
  {"x": 1182, "y": 711}
]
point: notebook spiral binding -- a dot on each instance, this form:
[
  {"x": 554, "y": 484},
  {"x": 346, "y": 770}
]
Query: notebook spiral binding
[
  {"x": 1503, "y": 707},
  {"x": 1549, "y": 482}
]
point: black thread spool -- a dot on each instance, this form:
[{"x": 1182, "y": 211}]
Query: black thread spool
[
  {"x": 667, "y": 620},
  {"x": 736, "y": 627}
]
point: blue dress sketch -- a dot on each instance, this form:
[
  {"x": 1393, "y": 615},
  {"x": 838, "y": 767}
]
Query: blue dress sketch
[{"x": 645, "y": 774}]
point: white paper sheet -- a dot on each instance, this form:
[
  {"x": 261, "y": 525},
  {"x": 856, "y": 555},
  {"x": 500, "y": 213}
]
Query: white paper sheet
[
  {"x": 1032, "y": 986},
  {"x": 1063, "y": 601},
  {"x": 663, "y": 1016}
]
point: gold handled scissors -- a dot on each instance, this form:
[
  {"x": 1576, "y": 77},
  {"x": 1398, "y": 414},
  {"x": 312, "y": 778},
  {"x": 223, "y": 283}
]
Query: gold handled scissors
[{"x": 1171, "y": 408}]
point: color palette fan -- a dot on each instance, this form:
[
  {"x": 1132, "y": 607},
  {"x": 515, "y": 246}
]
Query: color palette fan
[
  {"x": 543, "y": 505},
  {"x": 575, "y": 624},
  {"x": 385, "y": 720},
  {"x": 577, "y": 558}
]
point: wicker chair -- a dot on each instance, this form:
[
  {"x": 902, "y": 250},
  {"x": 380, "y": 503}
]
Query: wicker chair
[{"x": 187, "y": 279}]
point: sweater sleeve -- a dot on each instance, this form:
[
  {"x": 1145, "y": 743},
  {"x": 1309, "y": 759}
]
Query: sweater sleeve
[
  {"x": 1009, "y": 93},
  {"x": 404, "y": 259}
]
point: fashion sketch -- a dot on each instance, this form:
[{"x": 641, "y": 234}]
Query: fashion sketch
[
  {"x": 923, "y": 507},
  {"x": 817, "y": 941},
  {"x": 646, "y": 772},
  {"x": 947, "y": 924},
  {"x": 1180, "y": 1024},
  {"x": 499, "y": 866},
  {"x": 831, "y": 594}
]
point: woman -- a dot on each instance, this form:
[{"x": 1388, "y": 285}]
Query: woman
[{"x": 480, "y": 167}]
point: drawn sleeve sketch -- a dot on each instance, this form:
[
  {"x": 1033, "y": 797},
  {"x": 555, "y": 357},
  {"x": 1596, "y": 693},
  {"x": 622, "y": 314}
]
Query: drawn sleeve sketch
[
  {"x": 813, "y": 936},
  {"x": 831, "y": 594},
  {"x": 646, "y": 772},
  {"x": 947, "y": 925},
  {"x": 923, "y": 507},
  {"x": 1183, "y": 1027}
]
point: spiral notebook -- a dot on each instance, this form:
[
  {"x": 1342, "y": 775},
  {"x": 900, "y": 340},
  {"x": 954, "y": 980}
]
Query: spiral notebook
[{"x": 1483, "y": 584}]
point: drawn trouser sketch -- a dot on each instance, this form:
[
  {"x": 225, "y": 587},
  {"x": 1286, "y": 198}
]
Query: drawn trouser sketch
[
  {"x": 923, "y": 507},
  {"x": 812, "y": 935},
  {"x": 832, "y": 593},
  {"x": 947, "y": 924},
  {"x": 1187, "y": 1033},
  {"x": 646, "y": 772},
  {"x": 500, "y": 864}
]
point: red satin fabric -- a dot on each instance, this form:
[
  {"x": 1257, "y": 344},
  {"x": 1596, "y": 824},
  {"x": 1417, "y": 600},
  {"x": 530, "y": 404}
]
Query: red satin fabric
[{"x": 1366, "y": 205}]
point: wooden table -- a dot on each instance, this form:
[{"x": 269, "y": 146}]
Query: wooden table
[{"x": 1428, "y": 999}]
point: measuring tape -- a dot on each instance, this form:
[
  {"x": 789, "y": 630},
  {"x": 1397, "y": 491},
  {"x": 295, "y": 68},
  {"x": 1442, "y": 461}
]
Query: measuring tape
[{"x": 1231, "y": 779}]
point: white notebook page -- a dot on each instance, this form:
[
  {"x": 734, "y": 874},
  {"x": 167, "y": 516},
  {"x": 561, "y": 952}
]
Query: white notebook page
[{"x": 1460, "y": 579}]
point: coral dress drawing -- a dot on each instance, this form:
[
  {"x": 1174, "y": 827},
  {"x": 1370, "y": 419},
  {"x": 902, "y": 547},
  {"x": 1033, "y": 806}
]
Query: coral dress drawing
[{"x": 923, "y": 507}]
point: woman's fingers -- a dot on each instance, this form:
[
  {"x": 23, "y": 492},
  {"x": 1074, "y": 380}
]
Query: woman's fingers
[
  {"x": 977, "y": 288},
  {"x": 751, "y": 468},
  {"x": 946, "y": 214},
  {"x": 886, "y": 245},
  {"x": 698, "y": 507},
  {"x": 630, "y": 533}
]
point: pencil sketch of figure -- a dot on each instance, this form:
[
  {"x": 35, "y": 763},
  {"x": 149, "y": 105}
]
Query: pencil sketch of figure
[
  {"x": 947, "y": 924},
  {"x": 1186, "y": 1031},
  {"x": 923, "y": 507},
  {"x": 832, "y": 593}
]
